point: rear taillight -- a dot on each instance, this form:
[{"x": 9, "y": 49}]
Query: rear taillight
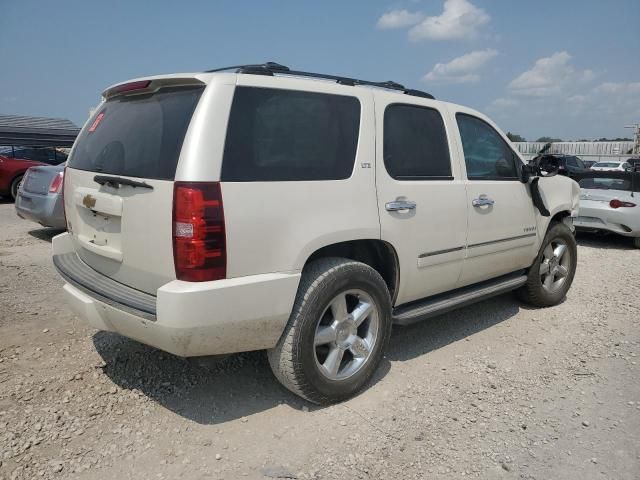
[
  {"x": 615, "y": 203},
  {"x": 56, "y": 183},
  {"x": 199, "y": 242},
  {"x": 64, "y": 209}
]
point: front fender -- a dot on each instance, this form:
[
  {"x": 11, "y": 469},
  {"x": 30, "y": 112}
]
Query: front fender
[{"x": 559, "y": 194}]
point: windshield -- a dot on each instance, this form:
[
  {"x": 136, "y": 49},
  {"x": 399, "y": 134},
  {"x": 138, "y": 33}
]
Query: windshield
[{"x": 137, "y": 135}]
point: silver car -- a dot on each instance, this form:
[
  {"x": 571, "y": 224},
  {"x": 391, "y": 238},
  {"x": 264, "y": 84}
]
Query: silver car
[
  {"x": 40, "y": 196},
  {"x": 611, "y": 203}
]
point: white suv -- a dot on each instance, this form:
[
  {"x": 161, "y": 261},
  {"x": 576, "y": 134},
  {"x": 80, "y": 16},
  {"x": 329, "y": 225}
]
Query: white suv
[{"x": 258, "y": 207}]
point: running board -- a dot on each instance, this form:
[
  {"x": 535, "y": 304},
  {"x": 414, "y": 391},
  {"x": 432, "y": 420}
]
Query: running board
[{"x": 438, "y": 304}]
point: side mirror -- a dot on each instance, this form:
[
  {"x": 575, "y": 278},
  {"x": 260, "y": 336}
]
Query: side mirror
[
  {"x": 541, "y": 166},
  {"x": 548, "y": 166}
]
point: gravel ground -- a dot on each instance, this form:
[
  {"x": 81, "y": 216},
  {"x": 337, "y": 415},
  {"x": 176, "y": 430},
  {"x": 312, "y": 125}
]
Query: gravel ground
[{"x": 495, "y": 390}]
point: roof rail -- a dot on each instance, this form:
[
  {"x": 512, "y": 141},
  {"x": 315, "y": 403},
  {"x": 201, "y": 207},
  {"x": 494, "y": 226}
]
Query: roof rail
[{"x": 272, "y": 68}]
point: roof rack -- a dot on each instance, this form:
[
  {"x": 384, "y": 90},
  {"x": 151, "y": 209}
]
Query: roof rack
[{"x": 272, "y": 68}]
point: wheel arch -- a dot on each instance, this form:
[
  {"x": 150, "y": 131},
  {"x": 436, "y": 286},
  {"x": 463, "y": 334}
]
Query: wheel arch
[
  {"x": 378, "y": 254},
  {"x": 15, "y": 177}
]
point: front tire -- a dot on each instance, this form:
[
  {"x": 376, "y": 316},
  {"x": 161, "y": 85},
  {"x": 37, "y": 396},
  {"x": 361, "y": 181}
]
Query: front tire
[
  {"x": 551, "y": 275},
  {"x": 14, "y": 186},
  {"x": 337, "y": 331}
]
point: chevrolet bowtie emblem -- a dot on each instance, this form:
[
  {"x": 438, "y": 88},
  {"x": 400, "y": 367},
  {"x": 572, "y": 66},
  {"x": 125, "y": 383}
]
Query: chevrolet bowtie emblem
[{"x": 89, "y": 201}]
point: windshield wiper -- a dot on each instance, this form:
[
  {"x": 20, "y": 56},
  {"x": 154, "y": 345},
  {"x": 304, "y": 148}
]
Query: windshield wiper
[{"x": 117, "y": 181}]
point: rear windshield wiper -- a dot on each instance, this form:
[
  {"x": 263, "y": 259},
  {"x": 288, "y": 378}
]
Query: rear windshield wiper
[{"x": 117, "y": 181}]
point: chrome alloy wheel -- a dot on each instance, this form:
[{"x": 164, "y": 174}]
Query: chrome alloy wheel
[
  {"x": 346, "y": 334},
  {"x": 555, "y": 266}
]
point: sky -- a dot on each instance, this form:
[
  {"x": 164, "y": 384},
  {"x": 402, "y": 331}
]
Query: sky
[{"x": 568, "y": 69}]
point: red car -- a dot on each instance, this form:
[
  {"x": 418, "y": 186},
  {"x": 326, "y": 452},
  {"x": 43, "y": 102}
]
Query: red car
[{"x": 14, "y": 161}]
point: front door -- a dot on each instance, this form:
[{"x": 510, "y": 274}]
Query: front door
[
  {"x": 421, "y": 196},
  {"x": 502, "y": 233}
]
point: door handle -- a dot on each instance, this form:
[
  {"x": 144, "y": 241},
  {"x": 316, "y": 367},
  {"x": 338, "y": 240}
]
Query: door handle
[
  {"x": 400, "y": 205},
  {"x": 482, "y": 200}
]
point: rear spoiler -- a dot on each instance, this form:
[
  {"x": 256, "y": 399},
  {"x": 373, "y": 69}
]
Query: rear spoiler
[
  {"x": 633, "y": 177},
  {"x": 151, "y": 85},
  {"x": 619, "y": 175}
]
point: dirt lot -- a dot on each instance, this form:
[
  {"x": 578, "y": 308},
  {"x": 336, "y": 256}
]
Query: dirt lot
[{"x": 496, "y": 390}]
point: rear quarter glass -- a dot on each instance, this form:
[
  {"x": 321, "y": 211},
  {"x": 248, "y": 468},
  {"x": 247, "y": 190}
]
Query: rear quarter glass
[
  {"x": 137, "y": 135},
  {"x": 290, "y": 135}
]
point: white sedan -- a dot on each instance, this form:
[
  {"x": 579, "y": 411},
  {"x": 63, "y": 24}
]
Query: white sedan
[
  {"x": 610, "y": 204},
  {"x": 611, "y": 166}
]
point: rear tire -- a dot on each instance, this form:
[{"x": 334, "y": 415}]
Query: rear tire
[
  {"x": 14, "y": 187},
  {"x": 337, "y": 331},
  {"x": 552, "y": 272}
]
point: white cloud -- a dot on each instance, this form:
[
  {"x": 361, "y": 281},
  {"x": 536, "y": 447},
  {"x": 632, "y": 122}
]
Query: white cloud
[
  {"x": 459, "y": 19},
  {"x": 549, "y": 76},
  {"x": 504, "y": 103},
  {"x": 554, "y": 97},
  {"x": 399, "y": 19},
  {"x": 618, "y": 88},
  {"x": 461, "y": 69}
]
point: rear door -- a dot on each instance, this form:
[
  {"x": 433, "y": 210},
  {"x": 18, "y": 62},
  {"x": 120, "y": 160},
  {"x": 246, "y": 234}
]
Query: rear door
[
  {"x": 501, "y": 220},
  {"x": 421, "y": 195},
  {"x": 120, "y": 230}
]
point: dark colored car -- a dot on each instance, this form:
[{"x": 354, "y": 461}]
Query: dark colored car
[
  {"x": 570, "y": 165},
  {"x": 634, "y": 163},
  {"x": 14, "y": 162}
]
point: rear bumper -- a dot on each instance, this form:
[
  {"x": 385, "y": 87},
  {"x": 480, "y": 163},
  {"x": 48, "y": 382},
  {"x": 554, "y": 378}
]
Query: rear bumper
[
  {"x": 599, "y": 216},
  {"x": 191, "y": 319},
  {"x": 47, "y": 210}
]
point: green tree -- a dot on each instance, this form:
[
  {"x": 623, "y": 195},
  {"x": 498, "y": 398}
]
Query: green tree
[
  {"x": 514, "y": 137},
  {"x": 548, "y": 139}
]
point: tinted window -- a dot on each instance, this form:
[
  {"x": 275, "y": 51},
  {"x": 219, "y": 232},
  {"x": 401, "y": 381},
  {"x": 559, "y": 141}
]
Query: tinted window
[
  {"x": 571, "y": 161},
  {"x": 60, "y": 156},
  {"x": 280, "y": 135},
  {"x": 622, "y": 184},
  {"x": 137, "y": 135},
  {"x": 486, "y": 154},
  {"x": 6, "y": 150},
  {"x": 36, "y": 154},
  {"x": 415, "y": 143},
  {"x": 580, "y": 163}
]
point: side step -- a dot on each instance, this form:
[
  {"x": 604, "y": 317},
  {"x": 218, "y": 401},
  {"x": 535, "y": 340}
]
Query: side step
[{"x": 444, "y": 302}]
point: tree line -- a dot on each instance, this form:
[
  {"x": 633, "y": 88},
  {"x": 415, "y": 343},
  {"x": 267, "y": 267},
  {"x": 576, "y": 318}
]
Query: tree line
[{"x": 514, "y": 137}]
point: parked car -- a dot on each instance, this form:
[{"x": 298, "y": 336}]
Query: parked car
[
  {"x": 611, "y": 166},
  {"x": 261, "y": 208},
  {"x": 634, "y": 163},
  {"x": 570, "y": 165},
  {"x": 610, "y": 203},
  {"x": 14, "y": 161},
  {"x": 40, "y": 196}
]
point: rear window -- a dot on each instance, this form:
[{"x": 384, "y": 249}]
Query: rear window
[
  {"x": 285, "y": 135},
  {"x": 621, "y": 184},
  {"x": 137, "y": 135}
]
